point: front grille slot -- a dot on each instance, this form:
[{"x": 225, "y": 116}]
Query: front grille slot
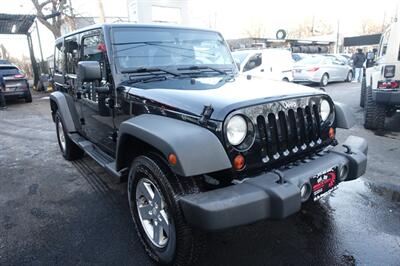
[
  {"x": 289, "y": 131},
  {"x": 274, "y": 139}
]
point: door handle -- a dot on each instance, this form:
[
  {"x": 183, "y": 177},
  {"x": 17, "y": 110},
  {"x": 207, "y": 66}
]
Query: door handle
[{"x": 262, "y": 70}]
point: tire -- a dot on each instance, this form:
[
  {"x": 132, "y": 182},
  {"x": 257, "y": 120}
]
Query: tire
[
  {"x": 69, "y": 149},
  {"x": 183, "y": 244},
  {"x": 374, "y": 114},
  {"x": 362, "y": 92},
  {"x": 28, "y": 98},
  {"x": 324, "y": 80},
  {"x": 285, "y": 79},
  {"x": 349, "y": 77}
]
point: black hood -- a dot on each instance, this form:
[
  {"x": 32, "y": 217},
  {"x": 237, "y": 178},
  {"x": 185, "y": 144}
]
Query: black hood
[{"x": 223, "y": 95}]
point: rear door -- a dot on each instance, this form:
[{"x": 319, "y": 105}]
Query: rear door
[{"x": 59, "y": 64}]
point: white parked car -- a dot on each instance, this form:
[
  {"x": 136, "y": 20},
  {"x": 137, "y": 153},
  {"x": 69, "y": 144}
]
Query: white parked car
[
  {"x": 321, "y": 69},
  {"x": 273, "y": 64}
]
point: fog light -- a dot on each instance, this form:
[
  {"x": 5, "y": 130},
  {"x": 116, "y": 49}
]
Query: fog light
[
  {"x": 305, "y": 192},
  {"x": 343, "y": 172}
]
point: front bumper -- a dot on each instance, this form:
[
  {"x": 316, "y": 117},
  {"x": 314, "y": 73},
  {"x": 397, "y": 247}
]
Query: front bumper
[
  {"x": 390, "y": 97},
  {"x": 265, "y": 196}
]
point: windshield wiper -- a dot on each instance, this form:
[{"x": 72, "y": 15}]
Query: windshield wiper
[
  {"x": 149, "y": 70},
  {"x": 146, "y": 79},
  {"x": 195, "y": 67}
]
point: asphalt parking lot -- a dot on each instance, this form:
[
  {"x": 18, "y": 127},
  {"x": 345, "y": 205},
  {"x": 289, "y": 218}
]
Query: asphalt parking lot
[{"x": 56, "y": 212}]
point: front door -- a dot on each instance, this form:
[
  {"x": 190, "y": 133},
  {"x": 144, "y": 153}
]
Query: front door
[{"x": 96, "y": 116}]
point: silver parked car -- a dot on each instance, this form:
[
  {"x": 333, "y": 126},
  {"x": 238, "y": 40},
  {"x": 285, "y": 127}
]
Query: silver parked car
[{"x": 321, "y": 69}]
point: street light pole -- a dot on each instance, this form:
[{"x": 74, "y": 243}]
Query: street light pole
[
  {"x": 40, "y": 44},
  {"x": 337, "y": 36}
]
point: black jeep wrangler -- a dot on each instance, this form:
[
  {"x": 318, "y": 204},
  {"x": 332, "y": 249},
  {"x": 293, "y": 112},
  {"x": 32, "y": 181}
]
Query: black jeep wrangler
[{"x": 202, "y": 148}]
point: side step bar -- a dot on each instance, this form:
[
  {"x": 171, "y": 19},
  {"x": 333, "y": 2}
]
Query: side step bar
[{"x": 102, "y": 158}]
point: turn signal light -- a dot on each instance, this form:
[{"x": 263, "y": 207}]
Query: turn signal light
[
  {"x": 172, "y": 159},
  {"x": 331, "y": 133},
  {"x": 19, "y": 76},
  {"x": 238, "y": 162}
]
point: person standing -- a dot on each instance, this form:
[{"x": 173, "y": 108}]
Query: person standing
[
  {"x": 358, "y": 63},
  {"x": 2, "y": 89}
]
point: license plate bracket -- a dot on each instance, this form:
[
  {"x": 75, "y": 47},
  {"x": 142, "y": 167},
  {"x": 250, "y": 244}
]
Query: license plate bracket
[{"x": 324, "y": 182}]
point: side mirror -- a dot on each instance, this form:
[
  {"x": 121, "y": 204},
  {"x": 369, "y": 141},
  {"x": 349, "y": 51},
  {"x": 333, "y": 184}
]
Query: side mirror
[{"x": 89, "y": 71}]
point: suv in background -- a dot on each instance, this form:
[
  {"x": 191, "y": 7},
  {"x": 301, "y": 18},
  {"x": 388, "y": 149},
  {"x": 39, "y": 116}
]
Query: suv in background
[
  {"x": 273, "y": 64},
  {"x": 380, "y": 89},
  {"x": 202, "y": 147},
  {"x": 16, "y": 83}
]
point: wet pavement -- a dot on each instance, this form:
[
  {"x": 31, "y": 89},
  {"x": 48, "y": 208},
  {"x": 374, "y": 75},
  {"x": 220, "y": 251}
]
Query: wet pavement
[{"x": 56, "y": 212}]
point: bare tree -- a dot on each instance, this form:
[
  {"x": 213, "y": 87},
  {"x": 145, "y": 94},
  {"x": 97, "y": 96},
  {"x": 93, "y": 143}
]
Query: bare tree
[
  {"x": 311, "y": 27},
  {"x": 54, "y": 6},
  {"x": 370, "y": 26},
  {"x": 255, "y": 30}
]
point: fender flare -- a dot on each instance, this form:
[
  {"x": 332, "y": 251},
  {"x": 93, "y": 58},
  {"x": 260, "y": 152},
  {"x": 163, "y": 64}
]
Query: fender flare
[
  {"x": 197, "y": 149},
  {"x": 344, "y": 116},
  {"x": 64, "y": 103}
]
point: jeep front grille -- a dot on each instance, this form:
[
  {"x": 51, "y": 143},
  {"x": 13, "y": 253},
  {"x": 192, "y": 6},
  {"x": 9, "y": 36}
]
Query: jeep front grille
[{"x": 289, "y": 131}]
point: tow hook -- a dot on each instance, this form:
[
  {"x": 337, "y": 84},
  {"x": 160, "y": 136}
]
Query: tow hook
[
  {"x": 348, "y": 149},
  {"x": 281, "y": 176}
]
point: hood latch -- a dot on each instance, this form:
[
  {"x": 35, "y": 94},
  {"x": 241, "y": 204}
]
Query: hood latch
[{"x": 206, "y": 114}]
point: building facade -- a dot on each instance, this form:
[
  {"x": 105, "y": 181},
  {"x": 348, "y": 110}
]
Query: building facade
[{"x": 159, "y": 11}]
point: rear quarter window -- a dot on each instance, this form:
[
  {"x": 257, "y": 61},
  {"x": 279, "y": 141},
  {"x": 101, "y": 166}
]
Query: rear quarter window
[{"x": 9, "y": 71}]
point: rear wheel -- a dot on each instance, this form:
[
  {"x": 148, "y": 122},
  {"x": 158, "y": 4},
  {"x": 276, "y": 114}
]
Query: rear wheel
[
  {"x": 69, "y": 149},
  {"x": 153, "y": 192},
  {"x": 324, "y": 80},
  {"x": 349, "y": 77},
  {"x": 28, "y": 97},
  {"x": 374, "y": 114},
  {"x": 362, "y": 92}
]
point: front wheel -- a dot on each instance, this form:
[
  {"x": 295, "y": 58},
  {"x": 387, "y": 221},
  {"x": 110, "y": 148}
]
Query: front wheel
[
  {"x": 324, "y": 80},
  {"x": 153, "y": 192}
]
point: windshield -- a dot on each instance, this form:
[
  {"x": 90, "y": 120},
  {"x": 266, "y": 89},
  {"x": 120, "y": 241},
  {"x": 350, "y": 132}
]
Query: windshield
[
  {"x": 240, "y": 56},
  {"x": 314, "y": 60},
  {"x": 160, "y": 47}
]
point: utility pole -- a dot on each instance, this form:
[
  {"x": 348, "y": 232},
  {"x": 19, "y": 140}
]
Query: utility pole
[{"x": 101, "y": 9}]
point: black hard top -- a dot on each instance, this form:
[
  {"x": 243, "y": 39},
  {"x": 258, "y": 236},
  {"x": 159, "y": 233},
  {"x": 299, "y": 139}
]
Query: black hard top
[{"x": 106, "y": 26}]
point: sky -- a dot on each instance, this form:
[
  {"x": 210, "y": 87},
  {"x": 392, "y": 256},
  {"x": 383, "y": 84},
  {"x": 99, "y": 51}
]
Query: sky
[{"x": 230, "y": 17}]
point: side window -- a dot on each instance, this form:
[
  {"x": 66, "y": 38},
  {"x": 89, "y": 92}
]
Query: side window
[
  {"x": 398, "y": 56},
  {"x": 384, "y": 44},
  {"x": 59, "y": 59},
  {"x": 253, "y": 62},
  {"x": 72, "y": 54},
  {"x": 92, "y": 48}
]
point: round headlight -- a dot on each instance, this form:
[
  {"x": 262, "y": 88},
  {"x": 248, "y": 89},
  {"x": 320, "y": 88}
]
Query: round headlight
[
  {"x": 325, "y": 109},
  {"x": 236, "y": 130}
]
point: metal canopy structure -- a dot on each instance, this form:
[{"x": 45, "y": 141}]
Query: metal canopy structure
[
  {"x": 20, "y": 24},
  {"x": 372, "y": 39},
  {"x": 16, "y": 24}
]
